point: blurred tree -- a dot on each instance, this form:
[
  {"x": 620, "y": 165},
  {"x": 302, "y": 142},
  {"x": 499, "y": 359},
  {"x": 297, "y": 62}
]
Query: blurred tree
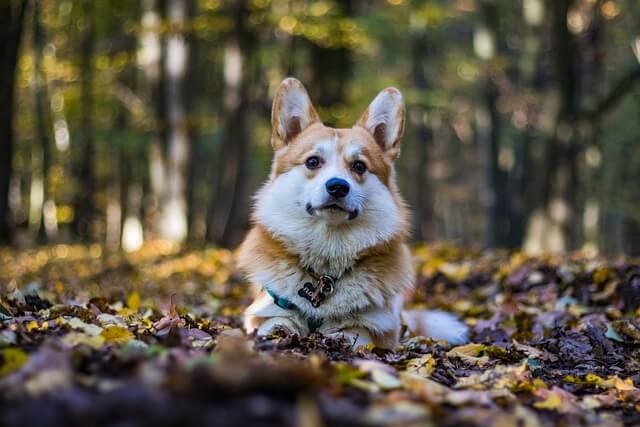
[
  {"x": 47, "y": 224},
  {"x": 173, "y": 208},
  {"x": 422, "y": 52},
  {"x": 227, "y": 213},
  {"x": 84, "y": 203},
  {"x": 150, "y": 59},
  {"x": 12, "y": 14},
  {"x": 488, "y": 45},
  {"x": 520, "y": 127}
]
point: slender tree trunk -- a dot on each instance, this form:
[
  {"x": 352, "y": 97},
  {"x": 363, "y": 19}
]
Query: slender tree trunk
[
  {"x": 47, "y": 225},
  {"x": 150, "y": 59},
  {"x": 11, "y": 26},
  {"x": 589, "y": 201},
  {"x": 523, "y": 184},
  {"x": 498, "y": 228},
  {"x": 227, "y": 208},
  {"x": 173, "y": 209},
  {"x": 125, "y": 170},
  {"x": 423, "y": 203},
  {"x": 195, "y": 161},
  {"x": 85, "y": 177},
  {"x": 489, "y": 126},
  {"x": 553, "y": 218}
]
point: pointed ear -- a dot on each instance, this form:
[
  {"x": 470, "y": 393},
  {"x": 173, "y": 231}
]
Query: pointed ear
[
  {"x": 384, "y": 120},
  {"x": 292, "y": 112}
]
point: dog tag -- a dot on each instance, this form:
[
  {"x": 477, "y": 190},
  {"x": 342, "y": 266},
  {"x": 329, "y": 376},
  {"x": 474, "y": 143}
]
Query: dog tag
[
  {"x": 311, "y": 293},
  {"x": 318, "y": 293}
]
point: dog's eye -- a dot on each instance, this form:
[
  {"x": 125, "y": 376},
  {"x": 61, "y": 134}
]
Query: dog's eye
[
  {"x": 312, "y": 162},
  {"x": 359, "y": 167}
]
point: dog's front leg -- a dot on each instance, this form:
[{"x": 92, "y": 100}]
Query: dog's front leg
[
  {"x": 265, "y": 318},
  {"x": 268, "y": 325}
]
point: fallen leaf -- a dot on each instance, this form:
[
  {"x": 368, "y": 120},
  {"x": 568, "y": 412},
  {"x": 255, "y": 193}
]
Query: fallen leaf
[
  {"x": 172, "y": 319},
  {"x": 76, "y": 323},
  {"x": 556, "y": 399},
  {"x": 12, "y": 359},
  {"x": 618, "y": 383},
  {"x": 116, "y": 335},
  {"x": 424, "y": 366},
  {"x": 133, "y": 302},
  {"x": 73, "y": 339},
  {"x": 470, "y": 354}
]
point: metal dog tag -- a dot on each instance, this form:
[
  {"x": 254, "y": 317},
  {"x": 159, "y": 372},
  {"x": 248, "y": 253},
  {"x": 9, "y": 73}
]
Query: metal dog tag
[{"x": 317, "y": 293}]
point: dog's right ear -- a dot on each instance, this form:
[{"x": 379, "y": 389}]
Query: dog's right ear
[{"x": 292, "y": 112}]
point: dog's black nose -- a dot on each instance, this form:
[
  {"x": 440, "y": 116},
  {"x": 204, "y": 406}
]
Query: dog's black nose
[{"x": 337, "y": 187}]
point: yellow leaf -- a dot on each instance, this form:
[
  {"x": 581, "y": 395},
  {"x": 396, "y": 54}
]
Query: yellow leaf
[
  {"x": 552, "y": 402},
  {"x": 557, "y": 399},
  {"x": 423, "y": 366},
  {"x": 593, "y": 379},
  {"x": 470, "y": 353},
  {"x": 618, "y": 383},
  {"x": 116, "y": 335},
  {"x": 590, "y": 379},
  {"x": 12, "y": 359},
  {"x": 31, "y": 326},
  {"x": 133, "y": 302},
  {"x": 601, "y": 275},
  {"x": 471, "y": 349}
]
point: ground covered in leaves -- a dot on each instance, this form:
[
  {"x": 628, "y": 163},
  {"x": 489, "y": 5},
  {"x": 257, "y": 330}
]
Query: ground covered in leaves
[{"x": 154, "y": 338}]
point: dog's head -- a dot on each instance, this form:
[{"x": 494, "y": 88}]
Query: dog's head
[{"x": 333, "y": 178}]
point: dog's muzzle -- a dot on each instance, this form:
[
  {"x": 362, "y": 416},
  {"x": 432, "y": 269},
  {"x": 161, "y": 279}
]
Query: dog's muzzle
[{"x": 333, "y": 205}]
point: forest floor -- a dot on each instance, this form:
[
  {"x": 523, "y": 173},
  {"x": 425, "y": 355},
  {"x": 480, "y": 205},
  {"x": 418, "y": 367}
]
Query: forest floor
[{"x": 154, "y": 339}]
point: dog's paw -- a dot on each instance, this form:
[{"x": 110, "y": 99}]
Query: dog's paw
[
  {"x": 438, "y": 325},
  {"x": 278, "y": 325}
]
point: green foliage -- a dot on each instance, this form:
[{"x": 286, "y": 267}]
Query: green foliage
[{"x": 441, "y": 54}]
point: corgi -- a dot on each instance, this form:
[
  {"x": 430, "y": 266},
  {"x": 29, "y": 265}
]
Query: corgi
[{"x": 328, "y": 242}]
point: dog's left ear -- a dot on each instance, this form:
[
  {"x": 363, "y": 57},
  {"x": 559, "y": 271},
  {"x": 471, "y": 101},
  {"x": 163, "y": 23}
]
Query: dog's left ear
[
  {"x": 291, "y": 113},
  {"x": 384, "y": 120}
]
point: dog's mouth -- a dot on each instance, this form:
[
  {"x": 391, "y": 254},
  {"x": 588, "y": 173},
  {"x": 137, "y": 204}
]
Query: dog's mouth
[{"x": 333, "y": 207}]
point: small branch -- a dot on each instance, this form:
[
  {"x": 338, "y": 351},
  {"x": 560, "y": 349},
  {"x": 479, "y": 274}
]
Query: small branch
[{"x": 609, "y": 102}]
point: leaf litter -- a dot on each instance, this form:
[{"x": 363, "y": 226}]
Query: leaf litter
[{"x": 154, "y": 338}]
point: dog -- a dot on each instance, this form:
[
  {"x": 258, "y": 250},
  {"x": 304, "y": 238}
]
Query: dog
[{"x": 328, "y": 241}]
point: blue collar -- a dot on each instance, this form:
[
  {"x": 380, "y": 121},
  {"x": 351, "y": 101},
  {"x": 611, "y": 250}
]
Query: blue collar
[
  {"x": 282, "y": 302},
  {"x": 312, "y": 322}
]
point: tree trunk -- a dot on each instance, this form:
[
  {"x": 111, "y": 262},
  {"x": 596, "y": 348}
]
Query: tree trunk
[
  {"x": 523, "y": 185},
  {"x": 423, "y": 202},
  {"x": 553, "y": 218},
  {"x": 47, "y": 225},
  {"x": 11, "y": 26},
  {"x": 196, "y": 161},
  {"x": 498, "y": 224},
  {"x": 173, "y": 208},
  {"x": 150, "y": 59},
  {"x": 489, "y": 126},
  {"x": 85, "y": 176},
  {"x": 227, "y": 216}
]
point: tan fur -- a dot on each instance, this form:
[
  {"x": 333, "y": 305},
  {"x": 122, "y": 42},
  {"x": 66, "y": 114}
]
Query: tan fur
[{"x": 368, "y": 294}]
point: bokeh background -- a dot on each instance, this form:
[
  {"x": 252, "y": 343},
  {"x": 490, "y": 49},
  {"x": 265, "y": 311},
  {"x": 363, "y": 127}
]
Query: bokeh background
[{"x": 123, "y": 121}]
